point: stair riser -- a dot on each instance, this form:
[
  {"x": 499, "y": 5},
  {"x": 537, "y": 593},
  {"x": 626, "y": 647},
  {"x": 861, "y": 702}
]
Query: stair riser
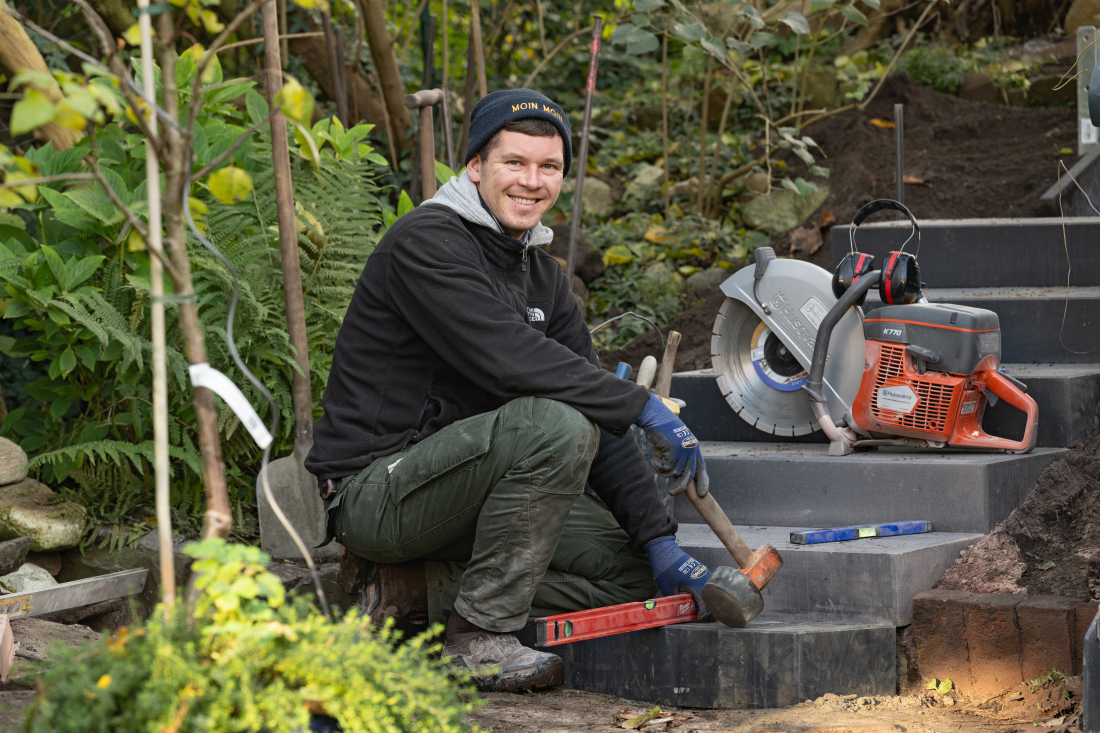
[
  {"x": 844, "y": 587},
  {"x": 1069, "y": 411},
  {"x": 711, "y": 666},
  {"x": 957, "y": 493},
  {"x": 987, "y": 252}
]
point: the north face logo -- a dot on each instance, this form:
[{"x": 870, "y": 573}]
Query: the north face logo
[{"x": 535, "y": 314}]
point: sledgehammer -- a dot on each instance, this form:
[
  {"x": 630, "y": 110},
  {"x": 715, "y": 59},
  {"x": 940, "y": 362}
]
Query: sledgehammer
[{"x": 732, "y": 595}]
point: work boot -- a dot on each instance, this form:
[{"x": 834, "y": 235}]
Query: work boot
[
  {"x": 398, "y": 591},
  {"x": 517, "y": 668}
]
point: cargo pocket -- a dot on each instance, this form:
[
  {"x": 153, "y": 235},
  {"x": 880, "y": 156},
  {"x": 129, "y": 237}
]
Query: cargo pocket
[{"x": 457, "y": 448}]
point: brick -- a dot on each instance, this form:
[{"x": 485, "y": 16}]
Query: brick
[
  {"x": 1047, "y": 626},
  {"x": 993, "y": 640},
  {"x": 939, "y": 624},
  {"x": 1085, "y": 613}
]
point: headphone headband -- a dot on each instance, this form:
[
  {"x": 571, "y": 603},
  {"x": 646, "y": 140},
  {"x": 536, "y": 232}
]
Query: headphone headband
[{"x": 881, "y": 205}]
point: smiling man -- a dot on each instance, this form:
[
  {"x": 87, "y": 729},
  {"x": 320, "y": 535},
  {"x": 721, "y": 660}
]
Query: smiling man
[{"x": 466, "y": 412}]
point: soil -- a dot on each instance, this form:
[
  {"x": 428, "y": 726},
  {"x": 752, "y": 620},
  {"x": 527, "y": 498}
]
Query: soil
[
  {"x": 976, "y": 160},
  {"x": 1050, "y": 544},
  {"x": 1043, "y": 711}
]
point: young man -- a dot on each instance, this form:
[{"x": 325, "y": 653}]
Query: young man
[{"x": 465, "y": 412}]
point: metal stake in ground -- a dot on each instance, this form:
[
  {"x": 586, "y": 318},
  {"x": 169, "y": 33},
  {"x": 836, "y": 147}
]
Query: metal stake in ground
[
  {"x": 423, "y": 100},
  {"x": 290, "y": 482},
  {"x": 899, "y": 154},
  {"x": 581, "y": 161}
]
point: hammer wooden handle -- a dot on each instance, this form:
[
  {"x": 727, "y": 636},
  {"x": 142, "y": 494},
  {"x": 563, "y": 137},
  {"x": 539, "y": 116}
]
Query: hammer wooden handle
[
  {"x": 717, "y": 520},
  {"x": 424, "y": 98}
]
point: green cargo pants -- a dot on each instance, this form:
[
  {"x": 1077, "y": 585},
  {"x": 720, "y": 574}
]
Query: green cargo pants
[{"x": 494, "y": 504}]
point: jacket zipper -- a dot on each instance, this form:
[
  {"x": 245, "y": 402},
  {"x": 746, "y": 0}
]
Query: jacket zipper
[{"x": 523, "y": 258}]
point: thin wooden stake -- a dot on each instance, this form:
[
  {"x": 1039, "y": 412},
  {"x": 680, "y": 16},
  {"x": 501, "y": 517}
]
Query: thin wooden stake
[
  {"x": 479, "y": 52},
  {"x": 664, "y": 111},
  {"x": 160, "y": 370},
  {"x": 581, "y": 162}
]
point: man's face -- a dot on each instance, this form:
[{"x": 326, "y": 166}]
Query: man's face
[{"x": 521, "y": 178}]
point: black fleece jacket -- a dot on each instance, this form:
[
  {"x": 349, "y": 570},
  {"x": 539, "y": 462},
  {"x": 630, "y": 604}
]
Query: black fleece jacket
[{"x": 450, "y": 320}]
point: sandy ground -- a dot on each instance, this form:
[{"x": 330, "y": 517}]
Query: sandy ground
[{"x": 571, "y": 710}]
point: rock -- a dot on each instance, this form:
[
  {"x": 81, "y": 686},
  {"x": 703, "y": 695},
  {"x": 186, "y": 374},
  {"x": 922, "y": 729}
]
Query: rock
[
  {"x": 35, "y": 635},
  {"x": 580, "y": 291},
  {"x": 949, "y": 701},
  {"x": 337, "y": 599},
  {"x": 1082, "y": 12},
  {"x": 757, "y": 182},
  {"x": 646, "y": 182},
  {"x": 31, "y": 508},
  {"x": 718, "y": 94},
  {"x": 289, "y": 573},
  {"x": 13, "y": 553},
  {"x": 821, "y": 89},
  {"x": 979, "y": 87},
  {"x": 1042, "y": 92},
  {"x": 690, "y": 188},
  {"x": 701, "y": 284},
  {"x": 49, "y": 561},
  {"x": 589, "y": 264},
  {"x": 27, "y": 578},
  {"x": 95, "y": 561},
  {"x": 13, "y": 462},
  {"x": 597, "y": 197},
  {"x": 782, "y": 210}
]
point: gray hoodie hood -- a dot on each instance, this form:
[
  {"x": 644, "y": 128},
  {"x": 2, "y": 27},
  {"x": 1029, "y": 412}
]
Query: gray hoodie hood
[{"x": 460, "y": 195}]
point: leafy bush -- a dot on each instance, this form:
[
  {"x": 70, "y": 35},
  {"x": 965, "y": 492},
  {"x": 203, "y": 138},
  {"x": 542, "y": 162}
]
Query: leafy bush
[
  {"x": 77, "y": 287},
  {"x": 935, "y": 66},
  {"x": 248, "y": 660}
]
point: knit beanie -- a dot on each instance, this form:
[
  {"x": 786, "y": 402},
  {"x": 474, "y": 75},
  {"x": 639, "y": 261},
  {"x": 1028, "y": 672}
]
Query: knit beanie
[{"x": 510, "y": 105}]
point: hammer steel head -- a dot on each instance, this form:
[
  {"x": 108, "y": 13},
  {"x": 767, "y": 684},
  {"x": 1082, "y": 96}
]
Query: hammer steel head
[{"x": 732, "y": 598}]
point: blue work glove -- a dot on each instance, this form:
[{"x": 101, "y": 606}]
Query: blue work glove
[{"x": 675, "y": 450}]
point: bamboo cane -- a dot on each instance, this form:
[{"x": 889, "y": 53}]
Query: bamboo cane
[
  {"x": 160, "y": 371},
  {"x": 582, "y": 160}
]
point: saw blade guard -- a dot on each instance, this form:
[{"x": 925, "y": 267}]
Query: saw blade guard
[{"x": 762, "y": 359}]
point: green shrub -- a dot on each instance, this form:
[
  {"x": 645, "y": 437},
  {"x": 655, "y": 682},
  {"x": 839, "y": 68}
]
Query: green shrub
[
  {"x": 248, "y": 660},
  {"x": 935, "y": 66}
]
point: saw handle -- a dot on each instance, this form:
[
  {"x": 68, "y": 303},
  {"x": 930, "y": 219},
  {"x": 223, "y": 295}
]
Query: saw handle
[{"x": 1002, "y": 386}]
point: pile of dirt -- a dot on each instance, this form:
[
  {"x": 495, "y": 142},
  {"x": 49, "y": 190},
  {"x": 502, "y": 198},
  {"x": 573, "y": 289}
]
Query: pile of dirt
[
  {"x": 976, "y": 160},
  {"x": 1050, "y": 544}
]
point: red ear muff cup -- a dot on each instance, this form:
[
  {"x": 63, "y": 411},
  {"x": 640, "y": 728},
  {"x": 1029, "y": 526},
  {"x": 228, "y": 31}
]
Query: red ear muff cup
[
  {"x": 900, "y": 280},
  {"x": 854, "y": 266}
]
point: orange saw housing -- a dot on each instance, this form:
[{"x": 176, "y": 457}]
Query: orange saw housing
[{"x": 929, "y": 372}]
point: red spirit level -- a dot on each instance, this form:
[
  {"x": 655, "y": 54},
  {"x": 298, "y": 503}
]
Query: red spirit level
[{"x": 609, "y": 620}]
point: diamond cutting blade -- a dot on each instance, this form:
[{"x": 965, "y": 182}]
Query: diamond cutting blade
[{"x": 760, "y": 379}]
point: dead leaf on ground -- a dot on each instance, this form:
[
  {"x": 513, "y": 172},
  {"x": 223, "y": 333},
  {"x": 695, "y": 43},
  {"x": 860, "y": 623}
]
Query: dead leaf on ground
[
  {"x": 909, "y": 180},
  {"x": 827, "y": 219},
  {"x": 806, "y": 239},
  {"x": 884, "y": 124},
  {"x": 637, "y": 722}
]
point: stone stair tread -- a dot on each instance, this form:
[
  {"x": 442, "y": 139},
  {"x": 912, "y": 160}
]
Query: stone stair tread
[
  {"x": 1056, "y": 292},
  {"x": 868, "y": 581},
  {"x": 884, "y": 454}
]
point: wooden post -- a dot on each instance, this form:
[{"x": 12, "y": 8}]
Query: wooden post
[
  {"x": 582, "y": 160},
  {"x": 423, "y": 100},
  {"x": 288, "y": 240}
]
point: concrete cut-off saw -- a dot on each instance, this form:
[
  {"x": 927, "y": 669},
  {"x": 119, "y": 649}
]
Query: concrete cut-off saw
[{"x": 795, "y": 353}]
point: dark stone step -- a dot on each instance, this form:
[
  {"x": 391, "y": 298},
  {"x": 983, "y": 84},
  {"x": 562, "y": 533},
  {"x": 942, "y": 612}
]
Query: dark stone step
[
  {"x": 869, "y": 581},
  {"x": 782, "y": 484},
  {"x": 765, "y": 665},
  {"x": 987, "y": 252},
  {"x": 1068, "y": 396}
]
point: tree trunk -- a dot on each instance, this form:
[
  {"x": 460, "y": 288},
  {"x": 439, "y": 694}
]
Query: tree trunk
[
  {"x": 18, "y": 52},
  {"x": 315, "y": 56},
  {"x": 176, "y": 161},
  {"x": 385, "y": 66}
]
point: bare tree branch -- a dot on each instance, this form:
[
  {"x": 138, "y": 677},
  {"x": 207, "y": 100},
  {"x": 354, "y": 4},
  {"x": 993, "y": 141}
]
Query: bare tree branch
[{"x": 232, "y": 148}]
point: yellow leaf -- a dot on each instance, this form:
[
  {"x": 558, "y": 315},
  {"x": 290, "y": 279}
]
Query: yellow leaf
[
  {"x": 32, "y": 111},
  {"x": 64, "y": 114},
  {"x": 295, "y": 101},
  {"x": 135, "y": 242},
  {"x": 230, "y": 185},
  {"x": 620, "y": 254},
  {"x": 104, "y": 682},
  {"x": 210, "y": 22},
  {"x": 145, "y": 110},
  {"x": 657, "y": 235},
  {"x": 132, "y": 35},
  {"x": 321, "y": 5},
  {"x": 9, "y": 198},
  {"x": 30, "y": 193}
]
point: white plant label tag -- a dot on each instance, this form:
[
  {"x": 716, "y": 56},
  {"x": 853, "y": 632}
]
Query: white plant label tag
[
  {"x": 901, "y": 399},
  {"x": 1088, "y": 131},
  {"x": 815, "y": 311},
  {"x": 204, "y": 375}
]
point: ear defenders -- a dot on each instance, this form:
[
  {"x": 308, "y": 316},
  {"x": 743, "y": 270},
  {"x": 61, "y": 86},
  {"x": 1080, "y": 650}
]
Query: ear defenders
[{"x": 899, "y": 283}]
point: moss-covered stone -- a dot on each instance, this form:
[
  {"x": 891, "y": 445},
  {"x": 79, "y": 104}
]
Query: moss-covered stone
[
  {"x": 29, "y": 508},
  {"x": 13, "y": 462}
]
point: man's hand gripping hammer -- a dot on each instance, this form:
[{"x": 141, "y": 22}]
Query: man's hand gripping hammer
[{"x": 732, "y": 595}]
